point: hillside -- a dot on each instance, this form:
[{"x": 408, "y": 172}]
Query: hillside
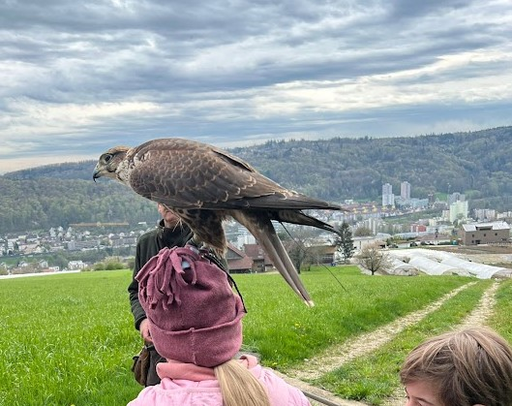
[
  {"x": 476, "y": 163},
  {"x": 356, "y": 168}
]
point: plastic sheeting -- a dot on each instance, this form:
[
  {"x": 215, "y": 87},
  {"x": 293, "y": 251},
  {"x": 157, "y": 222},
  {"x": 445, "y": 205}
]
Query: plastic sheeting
[
  {"x": 443, "y": 263},
  {"x": 481, "y": 271},
  {"x": 401, "y": 268},
  {"x": 432, "y": 267}
]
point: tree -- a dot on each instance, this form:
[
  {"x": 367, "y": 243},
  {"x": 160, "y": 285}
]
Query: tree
[
  {"x": 344, "y": 242},
  {"x": 59, "y": 260},
  {"x": 362, "y": 232},
  {"x": 299, "y": 254},
  {"x": 373, "y": 259},
  {"x": 298, "y": 245}
]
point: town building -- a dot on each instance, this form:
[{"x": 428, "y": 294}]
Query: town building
[
  {"x": 458, "y": 210},
  {"x": 484, "y": 214},
  {"x": 388, "y": 198},
  {"x": 238, "y": 261},
  {"x": 418, "y": 228},
  {"x": 456, "y": 197},
  {"x": 484, "y": 233},
  {"x": 261, "y": 261},
  {"x": 405, "y": 190}
]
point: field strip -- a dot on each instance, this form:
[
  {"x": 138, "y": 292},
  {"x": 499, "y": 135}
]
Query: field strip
[
  {"x": 336, "y": 356},
  {"x": 319, "y": 396},
  {"x": 483, "y": 310},
  {"x": 478, "y": 317}
]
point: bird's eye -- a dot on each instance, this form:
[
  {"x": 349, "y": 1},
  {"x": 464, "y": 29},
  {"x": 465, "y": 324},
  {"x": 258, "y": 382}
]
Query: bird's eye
[{"x": 107, "y": 158}]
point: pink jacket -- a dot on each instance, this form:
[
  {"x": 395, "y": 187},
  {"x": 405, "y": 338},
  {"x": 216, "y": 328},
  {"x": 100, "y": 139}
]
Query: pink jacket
[{"x": 206, "y": 392}]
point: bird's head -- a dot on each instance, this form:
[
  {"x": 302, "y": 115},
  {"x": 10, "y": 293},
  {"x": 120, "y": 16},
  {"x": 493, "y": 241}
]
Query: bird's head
[{"x": 109, "y": 163}]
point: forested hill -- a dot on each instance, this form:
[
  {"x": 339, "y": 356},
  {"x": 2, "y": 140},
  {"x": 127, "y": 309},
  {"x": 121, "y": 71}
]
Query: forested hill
[{"x": 477, "y": 163}]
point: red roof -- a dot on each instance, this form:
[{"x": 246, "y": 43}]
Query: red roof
[
  {"x": 255, "y": 251},
  {"x": 238, "y": 260}
]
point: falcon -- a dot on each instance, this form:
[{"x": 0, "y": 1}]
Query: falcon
[{"x": 205, "y": 185}]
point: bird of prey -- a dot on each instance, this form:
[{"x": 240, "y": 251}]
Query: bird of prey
[{"x": 205, "y": 185}]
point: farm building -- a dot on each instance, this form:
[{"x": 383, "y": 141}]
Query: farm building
[{"x": 484, "y": 233}]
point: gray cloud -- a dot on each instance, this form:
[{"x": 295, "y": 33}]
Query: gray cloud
[{"x": 80, "y": 77}]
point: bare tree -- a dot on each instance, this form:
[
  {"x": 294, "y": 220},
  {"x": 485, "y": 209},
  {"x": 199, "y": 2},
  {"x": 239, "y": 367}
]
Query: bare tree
[
  {"x": 373, "y": 259},
  {"x": 362, "y": 231},
  {"x": 299, "y": 246}
]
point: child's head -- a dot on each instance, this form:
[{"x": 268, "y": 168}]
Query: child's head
[
  {"x": 195, "y": 317},
  {"x": 464, "y": 368},
  {"x": 193, "y": 314}
]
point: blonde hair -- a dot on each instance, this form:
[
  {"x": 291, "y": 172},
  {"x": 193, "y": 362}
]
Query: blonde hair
[
  {"x": 467, "y": 367},
  {"x": 239, "y": 387}
]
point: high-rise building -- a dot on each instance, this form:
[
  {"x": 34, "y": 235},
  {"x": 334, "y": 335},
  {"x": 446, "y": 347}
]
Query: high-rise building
[
  {"x": 456, "y": 197},
  {"x": 388, "y": 198},
  {"x": 458, "y": 210},
  {"x": 405, "y": 190}
]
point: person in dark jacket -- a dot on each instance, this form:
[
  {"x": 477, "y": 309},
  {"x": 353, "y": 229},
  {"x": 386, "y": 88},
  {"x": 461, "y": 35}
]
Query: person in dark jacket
[{"x": 171, "y": 232}]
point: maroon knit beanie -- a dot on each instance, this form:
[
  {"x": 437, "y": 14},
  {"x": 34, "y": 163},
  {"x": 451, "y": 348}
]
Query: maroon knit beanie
[{"x": 194, "y": 315}]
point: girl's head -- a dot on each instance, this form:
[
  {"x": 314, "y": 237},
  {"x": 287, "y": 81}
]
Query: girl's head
[
  {"x": 194, "y": 315},
  {"x": 464, "y": 368}
]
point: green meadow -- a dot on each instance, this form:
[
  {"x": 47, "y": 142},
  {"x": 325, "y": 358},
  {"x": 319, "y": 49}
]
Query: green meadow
[{"x": 69, "y": 339}]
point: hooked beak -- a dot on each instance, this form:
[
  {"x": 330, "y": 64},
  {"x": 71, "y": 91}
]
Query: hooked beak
[{"x": 96, "y": 174}]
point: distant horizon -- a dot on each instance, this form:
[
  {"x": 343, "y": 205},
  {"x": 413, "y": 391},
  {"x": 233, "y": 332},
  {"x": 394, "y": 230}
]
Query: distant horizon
[{"x": 84, "y": 158}]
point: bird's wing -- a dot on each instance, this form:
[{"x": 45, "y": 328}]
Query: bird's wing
[
  {"x": 182, "y": 173},
  {"x": 186, "y": 174}
]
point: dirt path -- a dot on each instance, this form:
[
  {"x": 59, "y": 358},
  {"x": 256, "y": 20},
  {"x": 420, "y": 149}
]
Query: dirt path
[
  {"x": 367, "y": 343},
  {"x": 336, "y": 356},
  {"x": 478, "y": 317},
  {"x": 483, "y": 310}
]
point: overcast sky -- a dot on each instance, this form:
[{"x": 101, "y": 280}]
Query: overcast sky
[{"x": 78, "y": 77}]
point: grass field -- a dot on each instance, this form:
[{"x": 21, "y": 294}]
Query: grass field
[
  {"x": 376, "y": 376},
  {"x": 69, "y": 339}
]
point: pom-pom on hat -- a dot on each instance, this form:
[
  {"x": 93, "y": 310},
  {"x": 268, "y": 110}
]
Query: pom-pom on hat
[{"x": 194, "y": 314}]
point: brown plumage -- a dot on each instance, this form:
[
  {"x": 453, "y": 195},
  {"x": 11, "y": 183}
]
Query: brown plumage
[{"x": 205, "y": 185}]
